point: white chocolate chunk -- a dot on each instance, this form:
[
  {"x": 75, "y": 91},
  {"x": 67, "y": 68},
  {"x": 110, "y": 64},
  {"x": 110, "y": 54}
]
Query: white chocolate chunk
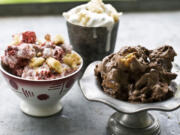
[
  {"x": 54, "y": 64},
  {"x": 72, "y": 59},
  {"x": 36, "y": 61},
  {"x": 58, "y": 39}
]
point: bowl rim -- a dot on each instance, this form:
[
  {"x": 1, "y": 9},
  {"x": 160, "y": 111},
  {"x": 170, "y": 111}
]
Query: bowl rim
[
  {"x": 91, "y": 27},
  {"x": 24, "y": 79}
]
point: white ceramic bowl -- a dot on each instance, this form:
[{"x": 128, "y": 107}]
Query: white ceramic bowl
[{"x": 40, "y": 97}]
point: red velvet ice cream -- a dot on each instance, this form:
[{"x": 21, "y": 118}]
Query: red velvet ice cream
[{"x": 29, "y": 58}]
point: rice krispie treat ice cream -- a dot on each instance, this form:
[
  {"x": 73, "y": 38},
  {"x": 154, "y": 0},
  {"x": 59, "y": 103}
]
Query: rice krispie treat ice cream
[
  {"x": 93, "y": 14},
  {"x": 29, "y": 58}
]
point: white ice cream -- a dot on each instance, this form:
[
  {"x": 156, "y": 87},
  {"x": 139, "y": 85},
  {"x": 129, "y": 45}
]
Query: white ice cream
[{"x": 93, "y": 14}]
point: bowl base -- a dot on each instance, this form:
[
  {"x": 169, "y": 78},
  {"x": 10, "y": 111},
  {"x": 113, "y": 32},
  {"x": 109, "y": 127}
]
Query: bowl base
[
  {"x": 39, "y": 111},
  {"x": 133, "y": 124}
]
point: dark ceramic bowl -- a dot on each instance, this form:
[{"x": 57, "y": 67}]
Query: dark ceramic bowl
[{"x": 92, "y": 43}]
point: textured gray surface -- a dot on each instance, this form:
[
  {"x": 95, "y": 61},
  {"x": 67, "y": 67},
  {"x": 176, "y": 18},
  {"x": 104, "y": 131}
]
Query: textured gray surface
[{"x": 80, "y": 117}]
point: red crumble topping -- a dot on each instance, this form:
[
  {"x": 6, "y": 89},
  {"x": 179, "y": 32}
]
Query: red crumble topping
[
  {"x": 22, "y": 62},
  {"x": 59, "y": 54},
  {"x": 43, "y": 75},
  {"x": 22, "y": 56},
  {"x": 18, "y": 71},
  {"x": 29, "y": 37},
  {"x": 11, "y": 51}
]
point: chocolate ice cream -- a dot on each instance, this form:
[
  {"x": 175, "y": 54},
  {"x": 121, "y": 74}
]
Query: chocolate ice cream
[{"x": 136, "y": 74}]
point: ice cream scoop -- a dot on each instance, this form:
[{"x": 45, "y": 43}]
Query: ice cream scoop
[{"x": 146, "y": 74}]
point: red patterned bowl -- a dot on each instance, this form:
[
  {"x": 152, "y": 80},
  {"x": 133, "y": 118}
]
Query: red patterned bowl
[{"x": 40, "y": 98}]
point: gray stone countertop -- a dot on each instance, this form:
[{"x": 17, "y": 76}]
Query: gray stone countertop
[{"x": 79, "y": 116}]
